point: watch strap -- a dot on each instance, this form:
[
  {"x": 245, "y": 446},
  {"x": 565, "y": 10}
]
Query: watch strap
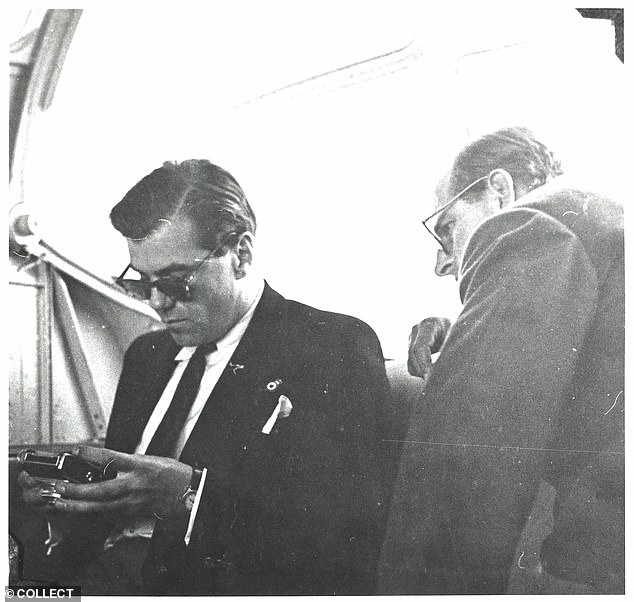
[
  {"x": 194, "y": 483},
  {"x": 188, "y": 497}
]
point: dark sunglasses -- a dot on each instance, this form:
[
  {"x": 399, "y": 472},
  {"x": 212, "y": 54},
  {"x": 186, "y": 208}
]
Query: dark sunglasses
[{"x": 176, "y": 288}]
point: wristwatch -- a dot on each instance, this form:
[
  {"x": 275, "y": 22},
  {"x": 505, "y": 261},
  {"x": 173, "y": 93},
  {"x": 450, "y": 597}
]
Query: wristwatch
[{"x": 190, "y": 495}]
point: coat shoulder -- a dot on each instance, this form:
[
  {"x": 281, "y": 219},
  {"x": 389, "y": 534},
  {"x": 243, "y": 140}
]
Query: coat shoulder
[
  {"x": 317, "y": 320},
  {"x": 156, "y": 340}
]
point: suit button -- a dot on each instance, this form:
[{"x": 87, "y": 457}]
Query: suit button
[
  {"x": 213, "y": 562},
  {"x": 209, "y": 562},
  {"x": 161, "y": 569}
]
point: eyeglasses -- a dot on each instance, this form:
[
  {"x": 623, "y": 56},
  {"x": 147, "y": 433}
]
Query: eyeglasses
[
  {"x": 175, "y": 287},
  {"x": 438, "y": 211}
]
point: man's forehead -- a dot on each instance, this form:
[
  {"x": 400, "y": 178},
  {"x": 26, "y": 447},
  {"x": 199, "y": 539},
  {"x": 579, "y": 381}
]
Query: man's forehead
[{"x": 173, "y": 245}]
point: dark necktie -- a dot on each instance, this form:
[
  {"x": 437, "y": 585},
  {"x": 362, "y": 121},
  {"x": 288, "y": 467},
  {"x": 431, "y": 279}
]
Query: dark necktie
[{"x": 164, "y": 440}]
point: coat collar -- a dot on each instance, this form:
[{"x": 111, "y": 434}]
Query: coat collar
[{"x": 266, "y": 336}]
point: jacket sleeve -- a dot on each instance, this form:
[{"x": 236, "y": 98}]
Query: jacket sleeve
[
  {"x": 478, "y": 442},
  {"x": 366, "y": 399},
  {"x": 367, "y": 394}
]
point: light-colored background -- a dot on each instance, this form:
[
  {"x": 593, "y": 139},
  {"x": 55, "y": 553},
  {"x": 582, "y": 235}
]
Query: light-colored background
[{"x": 339, "y": 170}]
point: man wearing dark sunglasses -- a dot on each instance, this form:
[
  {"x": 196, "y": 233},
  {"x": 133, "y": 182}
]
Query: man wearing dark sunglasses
[
  {"x": 246, "y": 434},
  {"x": 528, "y": 388}
]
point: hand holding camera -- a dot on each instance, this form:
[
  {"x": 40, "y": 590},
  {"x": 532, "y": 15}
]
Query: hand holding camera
[
  {"x": 101, "y": 481},
  {"x": 40, "y": 481},
  {"x": 45, "y": 469}
]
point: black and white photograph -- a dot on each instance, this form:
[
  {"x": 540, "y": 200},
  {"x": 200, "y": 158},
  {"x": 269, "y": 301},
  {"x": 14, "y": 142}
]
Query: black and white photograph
[{"x": 316, "y": 298}]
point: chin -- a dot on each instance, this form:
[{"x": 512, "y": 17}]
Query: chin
[{"x": 185, "y": 339}]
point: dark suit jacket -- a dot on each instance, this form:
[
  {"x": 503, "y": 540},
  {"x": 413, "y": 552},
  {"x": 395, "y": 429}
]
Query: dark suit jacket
[
  {"x": 299, "y": 511},
  {"x": 528, "y": 385}
]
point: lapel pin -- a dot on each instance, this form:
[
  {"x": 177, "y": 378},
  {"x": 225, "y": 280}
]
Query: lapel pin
[
  {"x": 274, "y": 384},
  {"x": 236, "y": 367}
]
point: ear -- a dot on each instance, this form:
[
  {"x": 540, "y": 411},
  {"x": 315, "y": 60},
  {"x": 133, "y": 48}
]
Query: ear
[
  {"x": 243, "y": 254},
  {"x": 501, "y": 184}
]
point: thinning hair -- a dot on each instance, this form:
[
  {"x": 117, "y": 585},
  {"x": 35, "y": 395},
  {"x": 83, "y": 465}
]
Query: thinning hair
[
  {"x": 205, "y": 193},
  {"x": 516, "y": 150}
]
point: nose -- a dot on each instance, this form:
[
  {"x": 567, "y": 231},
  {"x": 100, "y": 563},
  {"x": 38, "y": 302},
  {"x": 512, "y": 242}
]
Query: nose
[
  {"x": 159, "y": 300},
  {"x": 444, "y": 264}
]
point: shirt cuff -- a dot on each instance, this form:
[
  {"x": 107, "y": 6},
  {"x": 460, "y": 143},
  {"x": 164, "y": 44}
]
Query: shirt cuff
[{"x": 194, "y": 510}]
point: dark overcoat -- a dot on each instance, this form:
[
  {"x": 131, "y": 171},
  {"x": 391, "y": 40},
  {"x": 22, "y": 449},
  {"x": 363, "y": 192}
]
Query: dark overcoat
[{"x": 529, "y": 385}]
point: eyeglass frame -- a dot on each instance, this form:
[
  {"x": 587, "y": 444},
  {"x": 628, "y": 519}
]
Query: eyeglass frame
[
  {"x": 185, "y": 280},
  {"x": 447, "y": 205}
]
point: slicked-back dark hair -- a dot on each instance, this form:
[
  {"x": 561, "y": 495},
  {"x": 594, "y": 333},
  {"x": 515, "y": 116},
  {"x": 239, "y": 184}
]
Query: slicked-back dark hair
[
  {"x": 514, "y": 149},
  {"x": 205, "y": 193}
]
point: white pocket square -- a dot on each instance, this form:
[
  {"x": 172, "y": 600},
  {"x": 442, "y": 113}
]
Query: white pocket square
[{"x": 282, "y": 410}]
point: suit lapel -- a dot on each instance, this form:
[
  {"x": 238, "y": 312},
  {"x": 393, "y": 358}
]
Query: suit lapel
[
  {"x": 158, "y": 369},
  {"x": 263, "y": 345}
]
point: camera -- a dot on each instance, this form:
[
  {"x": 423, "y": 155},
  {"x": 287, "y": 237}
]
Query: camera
[{"x": 64, "y": 466}]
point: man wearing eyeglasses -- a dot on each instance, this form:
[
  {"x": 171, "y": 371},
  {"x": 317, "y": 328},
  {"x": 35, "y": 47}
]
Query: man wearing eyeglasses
[
  {"x": 528, "y": 386},
  {"x": 246, "y": 434}
]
